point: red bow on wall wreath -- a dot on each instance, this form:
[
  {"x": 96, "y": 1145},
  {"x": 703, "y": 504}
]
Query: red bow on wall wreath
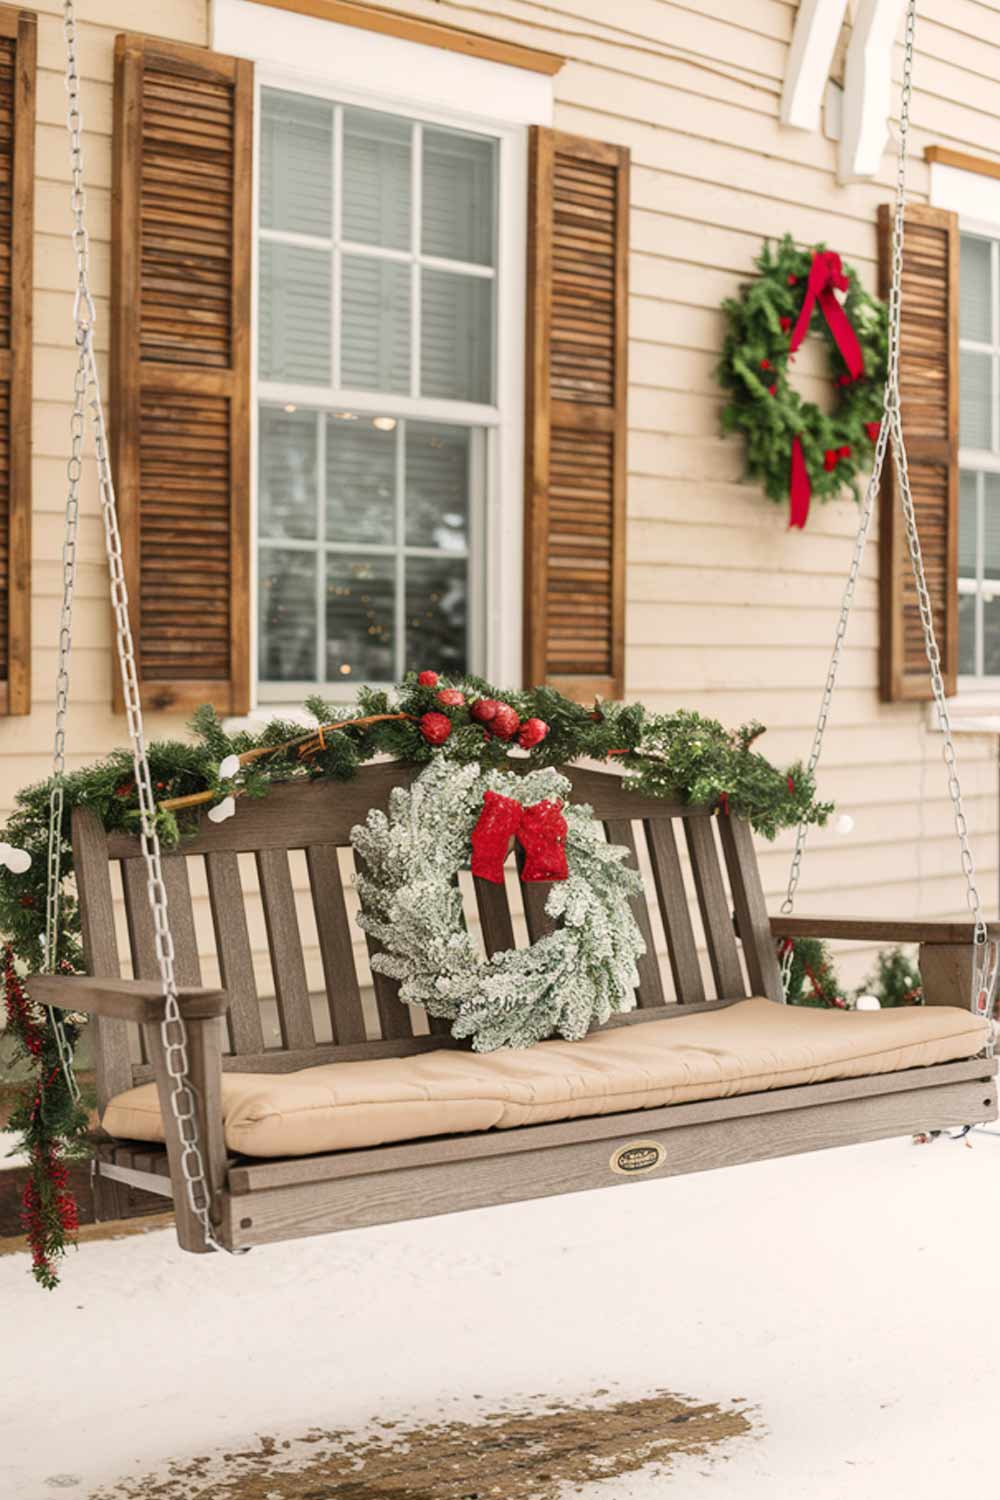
[{"x": 793, "y": 447}]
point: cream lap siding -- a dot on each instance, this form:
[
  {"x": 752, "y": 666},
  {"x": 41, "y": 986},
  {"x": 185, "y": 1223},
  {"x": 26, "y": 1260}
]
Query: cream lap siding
[{"x": 726, "y": 611}]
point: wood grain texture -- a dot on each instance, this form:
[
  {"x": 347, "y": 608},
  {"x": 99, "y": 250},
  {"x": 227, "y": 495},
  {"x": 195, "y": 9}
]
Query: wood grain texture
[
  {"x": 443, "y": 1187},
  {"x": 752, "y": 921},
  {"x": 284, "y": 940},
  {"x": 336, "y": 944},
  {"x": 576, "y": 431},
  {"x": 18, "y": 47},
  {"x": 232, "y": 944},
  {"x": 879, "y": 929},
  {"x": 963, "y": 161},
  {"x": 429, "y": 33},
  {"x": 713, "y": 904},
  {"x": 181, "y": 257},
  {"x": 619, "y": 831},
  {"x": 672, "y": 899},
  {"x": 928, "y": 376}
]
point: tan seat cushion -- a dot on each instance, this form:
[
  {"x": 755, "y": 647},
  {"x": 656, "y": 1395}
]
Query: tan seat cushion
[{"x": 743, "y": 1049}]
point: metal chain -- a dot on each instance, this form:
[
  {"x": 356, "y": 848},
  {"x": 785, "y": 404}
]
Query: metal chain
[
  {"x": 985, "y": 967},
  {"x": 173, "y": 1031}
]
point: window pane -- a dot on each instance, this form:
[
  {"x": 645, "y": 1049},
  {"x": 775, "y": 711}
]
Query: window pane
[
  {"x": 975, "y": 318},
  {"x": 437, "y": 486},
  {"x": 375, "y": 325},
  {"x": 456, "y": 337},
  {"x": 376, "y": 179},
  {"x": 294, "y": 314},
  {"x": 287, "y": 468},
  {"x": 296, "y": 166},
  {"x": 436, "y": 612},
  {"x": 459, "y": 196},
  {"x": 360, "y": 481},
  {"x": 991, "y": 637},
  {"x": 975, "y": 415},
  {"x": 967, "y": 634},
  {"x": 967, "y": 525},
  {"x": 360, "y": 618},
  {"x": 991, "y": 525},
  {"x": 287, "y": 615}
]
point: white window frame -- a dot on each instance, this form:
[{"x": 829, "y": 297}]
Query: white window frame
[
  {"x": 976, "y": 200},
  {"x": 438, "y": 88}
]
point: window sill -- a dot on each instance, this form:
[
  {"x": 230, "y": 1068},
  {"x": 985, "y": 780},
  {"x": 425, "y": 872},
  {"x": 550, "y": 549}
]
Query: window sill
[{"x": 971, "y": 712}]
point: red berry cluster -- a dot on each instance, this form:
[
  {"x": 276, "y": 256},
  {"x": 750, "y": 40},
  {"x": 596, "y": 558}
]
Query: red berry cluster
[{"x": 498, "y": 719}]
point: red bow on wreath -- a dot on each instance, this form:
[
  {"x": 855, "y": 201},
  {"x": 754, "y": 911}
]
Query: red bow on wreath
[
  {"x": 826, "y": 276},
  {"x": 539, "y": 829}
]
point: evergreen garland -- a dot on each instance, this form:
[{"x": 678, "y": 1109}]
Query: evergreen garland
[
  {"x": 763, "y": 404},
  {"x": 896, "y": 981}
]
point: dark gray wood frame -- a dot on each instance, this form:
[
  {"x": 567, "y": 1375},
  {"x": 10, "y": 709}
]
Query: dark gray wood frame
[{"x": 256, "y": 1202}]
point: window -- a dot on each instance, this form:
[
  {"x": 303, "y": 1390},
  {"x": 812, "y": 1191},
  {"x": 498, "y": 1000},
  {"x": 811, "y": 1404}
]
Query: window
[
  {"x": 979, "y": 428},
  {"x": 377, "y": 381}
]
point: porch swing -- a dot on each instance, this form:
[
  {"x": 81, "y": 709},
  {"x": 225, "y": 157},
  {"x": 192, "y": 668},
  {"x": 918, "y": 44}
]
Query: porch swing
[{"x": 257, "y": 1144}]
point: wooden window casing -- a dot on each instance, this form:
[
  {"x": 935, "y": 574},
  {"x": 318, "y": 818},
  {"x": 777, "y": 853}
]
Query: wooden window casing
[
  {"x": 928, "y": 376},
  {"x": 180, "y": 366},
  {"x": 576, "y": 425},
  {"x": 18, "y": 46}
]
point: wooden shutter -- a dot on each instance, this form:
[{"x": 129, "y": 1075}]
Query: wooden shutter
[
  {"x": 928, "y": 374},
  {"x": 180, "y": 361},
  {"x": 17, "y": 186},
  {"x": 574, "y": 618}
]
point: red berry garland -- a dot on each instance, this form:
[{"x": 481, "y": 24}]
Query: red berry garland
[
  {"x": 505, "y": 722},
  {"x": 428, "y": 679},
  {"x": 435, "y": 728},
  {"x": 533, "y": 731},
  {"x": 484, "y": 709},
  {"x": 451, "y": 697}
]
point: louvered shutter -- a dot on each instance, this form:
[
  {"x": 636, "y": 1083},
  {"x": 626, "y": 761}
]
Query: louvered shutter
[
  {"x": 928, "y": 373},
  {"x": 17, "y": 182},
  {"x": 181, "y": 259},
  {"x": 574, "y": 626}
]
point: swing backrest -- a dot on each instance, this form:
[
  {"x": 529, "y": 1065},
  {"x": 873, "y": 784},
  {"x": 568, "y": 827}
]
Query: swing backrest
[{"x": 263, "y": 904}]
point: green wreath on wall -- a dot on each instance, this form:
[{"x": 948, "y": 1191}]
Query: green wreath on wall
[{"x": 795, "y": 449}]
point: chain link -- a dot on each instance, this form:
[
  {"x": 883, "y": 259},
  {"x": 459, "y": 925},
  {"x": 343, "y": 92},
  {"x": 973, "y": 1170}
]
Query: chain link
[
  {"x": 986, "y": 954},
  {"x": 173, "y": 1031}
]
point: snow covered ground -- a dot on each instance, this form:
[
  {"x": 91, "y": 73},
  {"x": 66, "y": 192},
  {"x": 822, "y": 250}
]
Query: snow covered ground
[{"x": 850, "y": 1299}]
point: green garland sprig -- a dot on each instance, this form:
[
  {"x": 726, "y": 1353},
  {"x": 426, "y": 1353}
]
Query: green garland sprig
[
  {"x": 763, "y": 404},
  {"x": 681, "y": 756}
]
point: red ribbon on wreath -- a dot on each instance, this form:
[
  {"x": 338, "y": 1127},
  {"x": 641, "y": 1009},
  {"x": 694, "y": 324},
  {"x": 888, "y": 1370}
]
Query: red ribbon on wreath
[
  {"x": 826, "y": 277},
  {"x": 540, "y": 830}
]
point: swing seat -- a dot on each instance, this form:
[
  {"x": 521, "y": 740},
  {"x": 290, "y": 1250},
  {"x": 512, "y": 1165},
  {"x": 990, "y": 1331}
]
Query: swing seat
[
  {"x": 749, "y": 1047},
  {"x": 382, "y": 1122}
]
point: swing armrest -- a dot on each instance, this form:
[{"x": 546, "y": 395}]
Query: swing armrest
[
  {"x": 123, "y": 999},
  {"x": 887, "y": 929}
]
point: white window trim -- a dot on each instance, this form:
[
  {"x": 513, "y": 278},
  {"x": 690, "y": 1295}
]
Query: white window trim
[
  {"x": 975, "y": 706},
  {"x": 380, "y": 72}
]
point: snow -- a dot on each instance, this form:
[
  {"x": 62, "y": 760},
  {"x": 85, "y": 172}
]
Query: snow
[
  {"x": 848, "y": 1297},
  {"x": 8, "y": 1157}
]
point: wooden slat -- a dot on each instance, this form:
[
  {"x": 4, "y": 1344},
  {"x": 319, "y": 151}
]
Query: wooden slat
[
  {"x": 335, "y": 943},
  {"x": 671, "y": 897},
  {"x": 232, "y": 939},
  {"x": 715, "y": 913},
  {"x": 494, "y": 916},
  {"x": 752, "y": 921},
  {"x": 181, "y": 246},
  {"x": 583, "y": 1163},
  {"x": 285, "y": 945},
  {"x": 880, "y": 929},
  {"x": 395, "y": 1022},
  {"x": 928, "y": 378},
  {"x": 577, "y": 344},
  {"x": 534, "y": 894},
  {"x": 619, "y": 831}
]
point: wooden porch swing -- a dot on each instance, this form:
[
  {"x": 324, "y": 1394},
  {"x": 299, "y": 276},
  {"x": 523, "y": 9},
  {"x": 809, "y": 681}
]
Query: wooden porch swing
[{"x": 415, "y": 1125}]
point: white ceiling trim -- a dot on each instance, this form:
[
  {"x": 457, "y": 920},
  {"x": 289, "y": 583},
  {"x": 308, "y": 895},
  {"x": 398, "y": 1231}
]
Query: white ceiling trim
[
  {"x": 810, "y": 57},
  {"x": 868, "y": 92}
]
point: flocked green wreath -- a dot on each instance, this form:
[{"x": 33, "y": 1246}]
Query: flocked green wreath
[
  {"x": 568, "y": 981},
  {"x": 755, "y": 370}
]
